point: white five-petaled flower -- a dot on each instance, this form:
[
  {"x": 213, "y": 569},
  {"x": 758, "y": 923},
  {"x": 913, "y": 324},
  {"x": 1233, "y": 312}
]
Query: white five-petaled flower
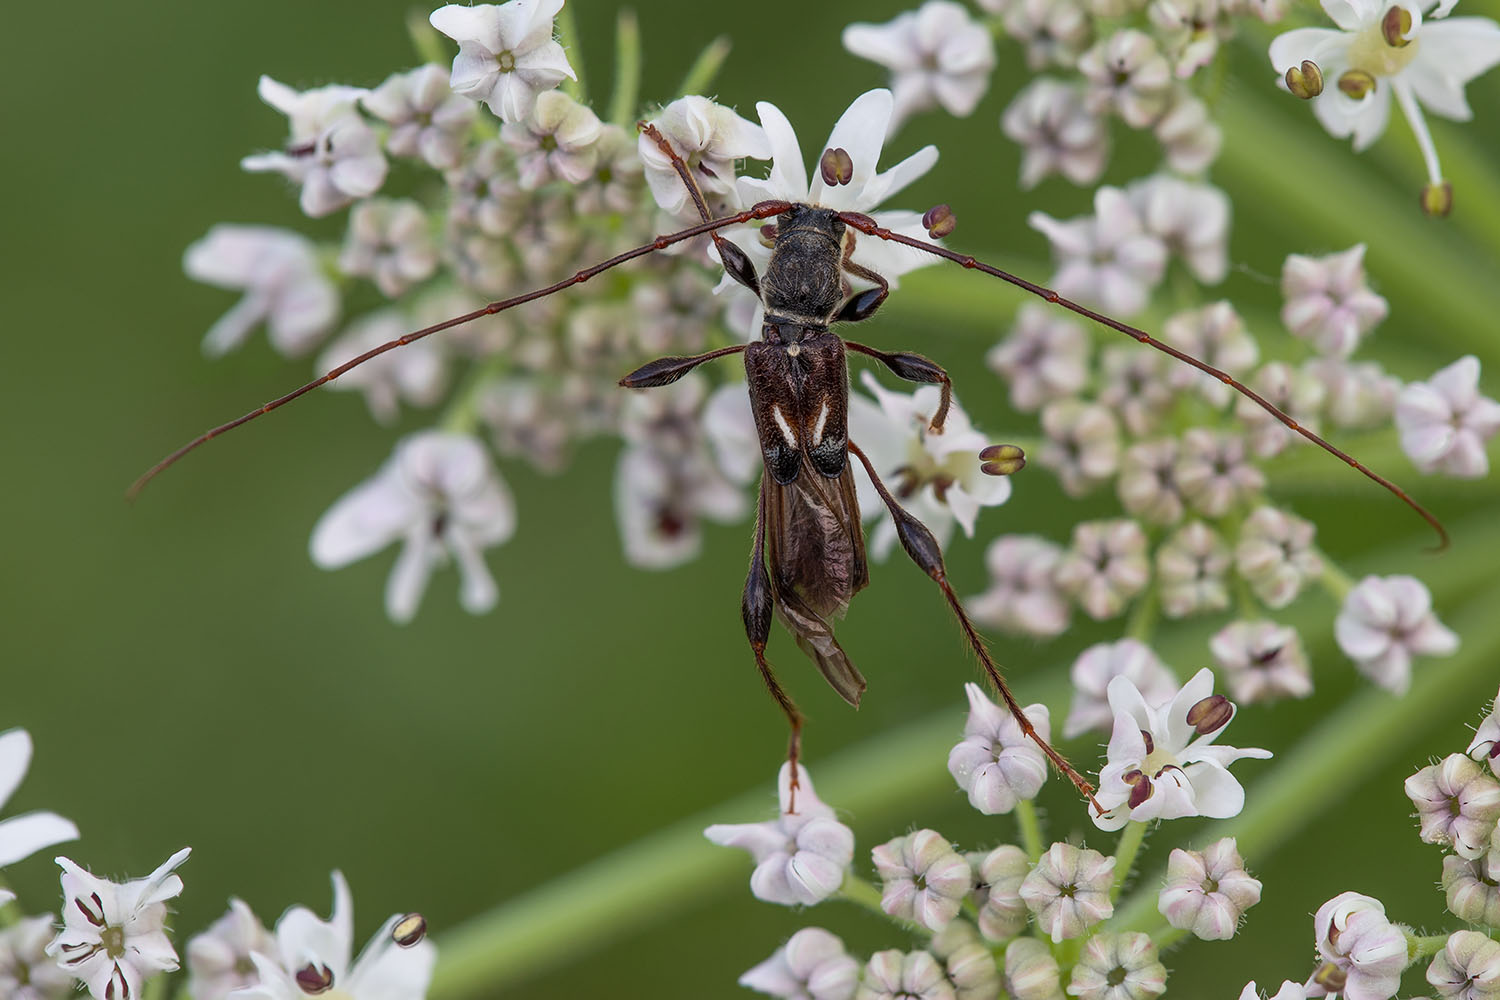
[
  {"x": 1328, "y": 300},
  {"x": 1363, "y": 952},
  {"x": 1208, "y": 891},
  {"x": 1057, "y": 133},
  {"x": 1045, "y": 357},
  {"x": 936, "y": 475},
  {"x": 1162, "y": 761},
  {"x": 312, "y": 957},
  {"x": 440, "y": 494},
  {"x": 416, "y": 373},
  {"x": 1108, "y": 259},
  {"x": 26, "y": 973},
  {"x": 1121, "y": 966},
  {"x": 897, "y": 975},
  {"x": 332, "y": 152},
  {"x": 1380, "y": 49},
  {"x": 113, "y": 935},
  {"x": 506, "y": 55},
  {"x": 427, "y": 119},
  {"x": 1384, "y": 622},
  {"x": 1023, "y": 596},
  {"x": 1100, "y": 664},
  {"x": 1444, "y": 422},
  {"x": 219, "y": 961},
  {"x": 1262, "y": 660},
  {"x": 1192, "y": 220},
  {"x": 922, "y": 878},
  {"x": 1068, "y": 890},
  {"x": 560, "y": 138},
  {"x": 998, "y": 764},
  {"x": 800, "y": 857},
  {"x": 24, "y": 835},
  {"x": 812, "y": 965},
  {"x": 709, "y": 138},
  {"x": 283, "y": 284},
  {"x": 389, "y": 242},
  {"x": 937, "y": 54}
]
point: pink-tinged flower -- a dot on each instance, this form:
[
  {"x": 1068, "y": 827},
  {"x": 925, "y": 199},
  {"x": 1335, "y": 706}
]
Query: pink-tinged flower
[
  {"x": 113, "y": 936},
  {"x": 428, "y": 120},
  {"x": 1068, "y": 890},
  {"x": 1100, "y": 664},
  {"x": 1108, "y": 259},
  {"x": 896, "y": 975},
  {"x": 219, "y": 960},
  {"x": 22, "y": 836},
  {"x": 970, "y": 966},
  {"x": 997, "y": 764},
  {"x": 1082, "y": 444},
  {"x": 1374, "y": 54},
  {"x": 1023, "y": 596},
  {"x": 26, "y": 973},
  {"x": 1298, "y": 392},
  {"x": 559, "y": 139},
  {"x": 1444, "y": 422},
  {"x": 1468, "y": 968},
  {"x": 800, "y": 857},
  {"x": 1275, "y": 555},
  {"x": 506, "y": 55},
  {"x": 998, "y": 876},
  {"x": 1359, "y": 395},
  {"x": 1262, "y": 661},
  {"x": 1471, "y": 894},
  {"x": 1105, "y": 567},
  {"x": 1045, "y": 357},
  {"x": 1384, "y": 622},
  {"x": 812, "y": 965},
  {"x": 332, "y": 153},
  {"x": 937, "y": 54},
  {"x": 1216, "y": 335},
  {"x": 1328, "y": 301},
  {"x": 923, "y": 879},
  {"x": 1289, "y": 991},
  {"x": 1057, "y": 133},
  {"x": 438, "y": 494},
  {"x": 1128, "y": 75},
  {"x": 1363, "y": 952},
  {"x": 1147, "y": 486},
  {"x": 1191, "y": 219},
  {"x": 1118, "y": 967},
  {"x": 1055, "y": 33},
  {"x": 710, "y": 138},
  {"x": 1208, "y": 891},
  {"x": 1486, "y": 742},
  {"x": 284, "y": 286},
  {"x": 1190, "y": 138},
  {"x": 417, "y": 374},
  {"x": 1134, "y": 386},
  {"x": 1191, "y": 569},
  {"x": 1031, "y": 971},
  {"x": 1214, "y": 472},
  {"x": 389, "y": 242},
  {"x": 1457, "y": 805},
  {"x": 1163, "y": 763},
  {"x": 313, "y": 957}
]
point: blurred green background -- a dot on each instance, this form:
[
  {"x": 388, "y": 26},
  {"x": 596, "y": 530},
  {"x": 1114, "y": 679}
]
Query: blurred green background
[{"x": 191, "y": 679}]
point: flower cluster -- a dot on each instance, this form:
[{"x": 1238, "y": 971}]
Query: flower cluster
[{"x": 973, "y": 909}]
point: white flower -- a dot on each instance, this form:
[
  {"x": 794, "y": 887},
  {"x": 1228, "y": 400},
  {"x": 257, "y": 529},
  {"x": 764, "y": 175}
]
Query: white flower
[
  {"x": 936, "y": 476},
  {"x": 1191, "y": 566},
  {"x": 219, "y": 961},
  {"x": 1363, "y": 952},
  {"x": 800, "y": 857},
  {"x": 1328, "y": 301},
  {"x": 1468, "y": 967},
  {"x": 440, "y": 495},
  {"x": 1191, "y": 219},
  {"x": 1045, "y": 357},
  {"x": 1147, "y": 485},
  {"x": 1216, "y": 335},
  {"x": 1289, "y": 991},
  {"x": 1108, "y": 259},
  {"x": 709, "y": 138},
  {"x": 1055, "y": 32},
  {"x": 661, "y": 499},
  {"x": 1023, "y": 596},
  {"x": 1068, "y": 890},
  {"x": 560, "y": 138},
  {"x": 1082, "y": 444},
  {"x": 26, "y": 973},
  {"x": 1444, "y": 422},
  {"x": 1486, "y": 742},
  {"x": 922, "y": 878},
  {"x": 332, "y": 153},
  {"x": 729, "y": 425},
  {"x": 427, "y": 119},
  {"x": 1262, "y": 660},
  {"x": 1105, "y": 567},
  {"x": 24, "y": 835},
  {"x": 506, "y": 54},
  {"x": 1162, "y": 761},
  {"x": 1275, "y": 555},
  {"x": 1189, "y": 137},
  {"x": 283, "y": 284},
  {"x": 1208, "y": 891},
  {"x": 1128, "y": 74},
  {"x": 1118, "y": 967},
  {"x": 1384, "y": 622},
  {"x": 812, "y": 965},
  {"x": 1214, "y": 473},
  {"x": 894, "y": 975},
  {"x": 113, "y": 935},
  {"x": 1100, "y": 664},
  {"x": 1134, "y": 386},
  {"x": 416, "y": 373},
  {"x": 937, "y": 54},
  {"x": 312, "y": 956},
  {"x": 1057, "y": 133},
  {"x": 1297, "y": 391},
  {"x": 1358, "y": 395},
  {"x": 997, "y": 764},
  {"x": 1376, "y": 53},
  {"x": 389, "y": 242}
]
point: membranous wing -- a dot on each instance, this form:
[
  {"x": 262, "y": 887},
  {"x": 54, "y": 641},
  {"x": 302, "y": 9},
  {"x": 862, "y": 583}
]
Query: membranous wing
[{"x": 815, "y": 547}]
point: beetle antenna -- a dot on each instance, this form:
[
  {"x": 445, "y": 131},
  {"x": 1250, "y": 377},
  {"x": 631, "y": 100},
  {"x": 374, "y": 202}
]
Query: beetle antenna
[
  {"x": 763, "y": 210},
  {"x": 865, "y": 224}
]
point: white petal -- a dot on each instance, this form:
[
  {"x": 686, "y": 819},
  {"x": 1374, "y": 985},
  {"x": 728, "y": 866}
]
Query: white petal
[
  {"x": 22, "y": 836},
  {"x": 409, "y": 575},
  {"x": 387, "y": 971},
  {"x": 363, "y": 521},
  {"x": 788, "y": 177},
  {"x": 15, "y": 758}
]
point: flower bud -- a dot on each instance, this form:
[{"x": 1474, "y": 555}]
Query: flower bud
[
  {"x": 1002, "y": 460},
  {"x": 1305, "y": 81},
  {"x": 409, "y": 930},
  {"x": 939, "y": 221},
  {"x": 1395, "y": 27},
  {"x": 1118, "y": 967},
  {"x": 924, "y": 858},
  {"x": 1457, "y": 804},
  {"x": 1357, "y": 84},
  {"x": 973, "y": 973},
  {"x": 1031, "y": 973},
  {"x": 1207, "y": 892},
  {"x": 997, "y": 877},
  {"x": 1468, "y": 967},
  {"x": 1068, "y": 890},
  {"x": 1437, "y": 199},
  {"x": 1472, "y": 896},
  {"x": 836, "y": 167},
  {"x": 892, "y": 974}
]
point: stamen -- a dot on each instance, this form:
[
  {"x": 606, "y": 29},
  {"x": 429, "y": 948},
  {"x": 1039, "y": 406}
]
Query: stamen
[
  {"x": 315, "y": 979},
  {"x": 1357, "y": 83},
  {"x": 939, "y": 221},
  {"x": 409, "y": 930},
  {"x": 1395, "y": 27},
  {"x": 1210, "y": 714},
  {"x": 836, "y": 167},
  {"x": 1437, "y": 199},
  {"x": 1002, "y": 460},
  {"x": 1305, "y": 81}
]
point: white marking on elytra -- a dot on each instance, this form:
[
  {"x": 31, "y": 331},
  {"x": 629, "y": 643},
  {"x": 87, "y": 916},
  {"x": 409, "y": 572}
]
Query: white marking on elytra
[
  {"x": 818, "y": 427},
  {"x": 786, "y": 428}
]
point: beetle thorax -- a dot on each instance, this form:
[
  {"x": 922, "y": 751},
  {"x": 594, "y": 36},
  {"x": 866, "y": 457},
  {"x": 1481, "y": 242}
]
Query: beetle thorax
[{"x": 804, "y": 281}]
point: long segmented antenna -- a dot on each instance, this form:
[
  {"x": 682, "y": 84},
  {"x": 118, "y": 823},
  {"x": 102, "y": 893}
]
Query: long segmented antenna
[
  {"x": 865, "y": 224},
  {"x": 763, "y": 210}
]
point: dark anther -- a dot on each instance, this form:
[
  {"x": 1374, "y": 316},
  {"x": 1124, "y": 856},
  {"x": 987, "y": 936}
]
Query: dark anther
[
  {"x": 1002, "y": 460},
  {"x": 836, "y": 167},
  {"x": 409, "y": 930},
  {"x": 939, "y": 221},
  {"x": 1150, "y": 743},
  {"x": 1330, "y": 977},
  {"x": 1437, "y": 199},
  {"x": 1396, "y": 27},
  {"x": 315, "y": 979},
  {"x": 1140, "y": 786},
  {"x": 1305, "y": 81},
  {"x": 95, "y": 915},
  {"x": 1211, "y": 714},
  {"x": 768, "y": 235}
]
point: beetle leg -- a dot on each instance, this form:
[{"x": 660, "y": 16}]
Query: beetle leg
[
  {"x": 863, "y": 305},
  {"x": 914, "y": 368},
  {"x": 665, "y": 371},
  {"x": 755, "y": 608}
]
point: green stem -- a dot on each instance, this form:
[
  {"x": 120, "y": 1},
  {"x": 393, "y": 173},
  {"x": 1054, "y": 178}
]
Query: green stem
[
  {"x": 156, "y": 988},
  {"x": 1337, "y": 582},
  {"x": 624, "y": 100},
  {"x": 1143, "y": 616},
  {"x": 705, "y": 67},
  {"x": 862, "y": 894},
  {"x": 1131, "y": 839},
  {"x": 462, "y": 415},
  {"x": 1419, "y": 947},
  {"x": 426, "y": 39},
  {"x": 1031, "y": 830},
  {"x": 567, "y": 36},
  {"x": 1168, "y": 937}
]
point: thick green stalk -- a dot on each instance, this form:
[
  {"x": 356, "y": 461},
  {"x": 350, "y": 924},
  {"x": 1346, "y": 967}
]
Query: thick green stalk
[
  {"x": 701, "y": 74},
  {"x": 1030, "y": 825},
  {"x": 1131, "y": 839},
  {"x": 567, "y": 36},
  {"x": 624, "y": 100}
]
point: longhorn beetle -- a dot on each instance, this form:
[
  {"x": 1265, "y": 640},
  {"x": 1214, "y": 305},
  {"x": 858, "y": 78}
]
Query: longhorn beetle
[{"x": 807, "y": 559}]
